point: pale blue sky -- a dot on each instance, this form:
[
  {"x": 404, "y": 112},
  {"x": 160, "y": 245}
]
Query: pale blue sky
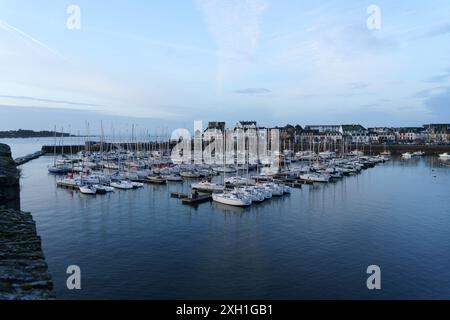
[{"x": 276, "y": 62}]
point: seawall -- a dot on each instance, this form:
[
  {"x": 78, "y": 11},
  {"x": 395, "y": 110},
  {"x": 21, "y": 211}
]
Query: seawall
[
  {"x": 23, "y": 269},
  {"x": 9, "y": 180}
]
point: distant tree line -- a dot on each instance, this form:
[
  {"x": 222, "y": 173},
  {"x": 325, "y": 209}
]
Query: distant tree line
[{"x": 31, "y": 134}]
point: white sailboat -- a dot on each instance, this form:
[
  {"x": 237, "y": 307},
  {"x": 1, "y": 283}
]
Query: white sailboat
[
  {"x": 122, "y": 185},
  {"x": 88, "y": 189},
  {"x": 407, "y": 155},
  {"x": 316, "y": 177},
  {"x": 207, "y": 186},
  {"x": 232, "y": 199}
]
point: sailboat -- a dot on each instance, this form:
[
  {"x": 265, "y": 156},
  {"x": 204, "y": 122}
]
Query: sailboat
[
  {"x": 207, "y": 186},
  {"x": 88, "y": 189},
  {"x": 444, "y": 156},
  {"x": 233, "y": 198},
  {"x": 407, "y": 155},
  {"x": 57, "y": 169}
]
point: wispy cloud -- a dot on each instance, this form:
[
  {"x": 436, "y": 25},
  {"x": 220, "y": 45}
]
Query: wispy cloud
[
  {"x": 31, "y": 69},
  {"x": 235, "y": 27},
  {"x": 438, "y": 30},
  {"x": 438, "y": 103},
  {"x": 358, "y": 85},
  {"x": 33, "y": 42},
  {"x": 253, "y": 91},
  {"x": 50, "y": 101},
  {"x": 440, "y": 78}
]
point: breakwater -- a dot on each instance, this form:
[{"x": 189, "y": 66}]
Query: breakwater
[
  {"x": 22, "y": 160},
  {"x": 23, "y": 270}
]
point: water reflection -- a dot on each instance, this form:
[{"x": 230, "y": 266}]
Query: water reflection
[{"x": 315, "y": 243}]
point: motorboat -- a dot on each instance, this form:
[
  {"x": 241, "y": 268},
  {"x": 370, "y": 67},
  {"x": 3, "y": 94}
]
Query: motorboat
[{"x": 444, "y": 156}]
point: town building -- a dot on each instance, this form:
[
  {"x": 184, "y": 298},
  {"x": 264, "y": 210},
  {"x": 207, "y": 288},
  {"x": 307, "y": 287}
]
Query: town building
[{"x": 355, "y": 133}]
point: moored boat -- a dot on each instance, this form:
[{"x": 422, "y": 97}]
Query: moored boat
[
  {"x": 88, "y": 189},
  {"x": 232, "y": 199}
]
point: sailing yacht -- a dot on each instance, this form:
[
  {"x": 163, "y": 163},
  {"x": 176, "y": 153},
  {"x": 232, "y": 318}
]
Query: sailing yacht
[
  {"x": 316, "y": 177},
  {"x": 407, "y": 155},
  {"x": 122, "y": 185},
  {"x": 207, "y": 187},
  {"x": 232, "y": 199},
  {"x": 445, "y": 156},
  {"x": 253, "y": 194},
  {"x": 88, "y": 189}
]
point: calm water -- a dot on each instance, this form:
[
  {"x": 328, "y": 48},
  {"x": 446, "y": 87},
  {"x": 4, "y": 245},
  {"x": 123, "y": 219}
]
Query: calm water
[{"x": 316, "y": 243}]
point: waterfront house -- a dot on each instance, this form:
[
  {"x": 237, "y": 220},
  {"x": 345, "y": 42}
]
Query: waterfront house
[
  {"x": 245, "y": 125},
  {"x": 382, "y": 135},
  {"x": 216, "y": 125},
  {"x": 324, "y": 128},
  {"x": 355, "y": 133},
  {"x": 437, "y": 133},
  {"x": 411, "y": 135}
]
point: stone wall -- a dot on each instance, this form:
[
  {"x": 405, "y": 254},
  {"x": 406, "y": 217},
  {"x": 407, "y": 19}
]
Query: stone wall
[
  {"x": 23, "y": 270},
  {"x": 9, "y": 180}
]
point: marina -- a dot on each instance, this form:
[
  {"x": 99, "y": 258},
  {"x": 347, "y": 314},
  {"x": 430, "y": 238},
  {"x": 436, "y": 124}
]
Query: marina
[
  {"x": 304, "y": 210},
  {"x": 322, "y": 225}
]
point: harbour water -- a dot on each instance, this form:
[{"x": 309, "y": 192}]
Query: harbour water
[{"x": 315, "y": 243}]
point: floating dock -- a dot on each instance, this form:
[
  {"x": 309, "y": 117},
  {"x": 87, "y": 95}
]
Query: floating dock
[
  {"x": 65, "y": 185},
  {"x": 190, "y": 200},
  {"x": 202, "y": 198},
  {"x": 178, "y": 195}
]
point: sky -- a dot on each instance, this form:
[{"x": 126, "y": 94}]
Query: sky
[{"x": 164, "y": 64}]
